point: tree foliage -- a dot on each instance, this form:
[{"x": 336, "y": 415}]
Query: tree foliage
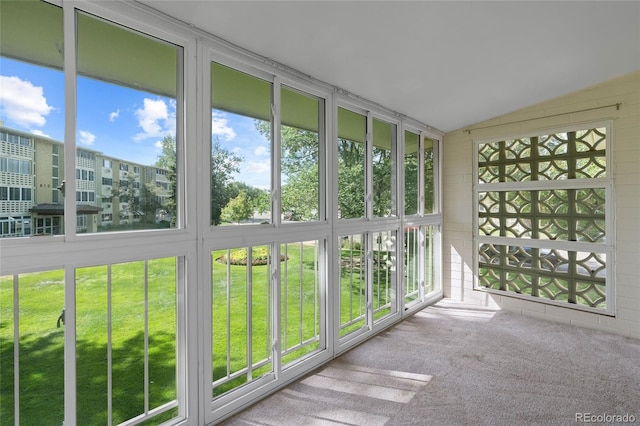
[
  {"x": 299, "y": 166},
  {"x": 167, "y": 161},
  {"x": 238, "y": 209},
  {"x": 141, "y": 201},
  {"x": 223, "y": 164},
  {"x": 259, "y": 197},
  {"x": 351, "y": 160}
]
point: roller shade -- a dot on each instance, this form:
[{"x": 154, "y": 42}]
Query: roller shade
[{"x": 32, "y": 31}]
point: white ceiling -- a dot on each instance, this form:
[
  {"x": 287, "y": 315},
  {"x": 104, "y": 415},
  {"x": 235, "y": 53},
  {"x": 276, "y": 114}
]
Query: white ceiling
[{"x": 448, "y": 64}]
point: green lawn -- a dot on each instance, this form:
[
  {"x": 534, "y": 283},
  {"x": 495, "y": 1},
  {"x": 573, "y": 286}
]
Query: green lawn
[{"x": 41, "y": 349}]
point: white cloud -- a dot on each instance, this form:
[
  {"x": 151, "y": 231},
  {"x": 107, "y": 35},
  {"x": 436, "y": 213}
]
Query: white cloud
[
  {"x": 261, "y": 151},
  {"x": 219, "y": 127},
  {"x": 86, "y": 138},
  {"x": 256, "y": 167},
  {"x": 115, "y": 114},
  {"x": 22, "y": 102},
  {"x": 158, "y": 145},
  {"x": 156, "y": 119},
  {"x": 40, "y": 133}
]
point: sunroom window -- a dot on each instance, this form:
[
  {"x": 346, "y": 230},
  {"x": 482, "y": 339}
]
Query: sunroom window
[{"x": 139, "y": 101}]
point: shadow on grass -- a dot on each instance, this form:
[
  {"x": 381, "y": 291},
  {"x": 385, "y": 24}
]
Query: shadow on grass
[{"x": 42, "y": 379}]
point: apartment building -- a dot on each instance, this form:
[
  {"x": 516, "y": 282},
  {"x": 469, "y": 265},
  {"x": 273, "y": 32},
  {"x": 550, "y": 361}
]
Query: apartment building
[{"x": 107, "y": 189}]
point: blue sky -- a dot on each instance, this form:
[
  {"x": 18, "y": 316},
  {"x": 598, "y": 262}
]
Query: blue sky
[{"x": 116, "y": 120}]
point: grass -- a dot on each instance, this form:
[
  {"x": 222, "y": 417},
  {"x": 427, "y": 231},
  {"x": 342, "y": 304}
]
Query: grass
[
  {"x": 41, "y": 343},
  {"x": 41, "y": 348}
]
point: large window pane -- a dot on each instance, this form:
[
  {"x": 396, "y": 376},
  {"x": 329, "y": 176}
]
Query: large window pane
[
  {"x": 352, "y": 130},
  {"x": 353, "y": 284},
  {"x": 383, "y": 274},
  {"x": 411, "y": 172},
  {"x": 126, "y": 341},
  {"x": 412, "y": 270},
  {"x": 38, "y": 299},
  {"x": 240, "y": 148},
  {"x": 429, "y": 180},
  {"x": 126, "y": 128},
  {"x": 241, "y": 315},
  {"x": 302, "y": 120},
  {"x": 300, "y": 290},
  {"x": 419, "y": 273},
  {"x": 384, "y": 169},
  {"x": 32, "y": 119}
]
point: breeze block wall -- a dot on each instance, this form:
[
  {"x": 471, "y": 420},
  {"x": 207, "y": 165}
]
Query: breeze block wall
[{"x": 458, "y": 275}]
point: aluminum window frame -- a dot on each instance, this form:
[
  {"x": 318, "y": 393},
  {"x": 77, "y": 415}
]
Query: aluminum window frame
[{"x": 70, "y": 250}]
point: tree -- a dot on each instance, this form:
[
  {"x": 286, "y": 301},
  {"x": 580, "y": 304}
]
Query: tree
[
  {"x": 223, "y": 164},
  {"x": 167, "y": 161},
  {"x": 351, "y": 157},
  {"x": 238, "y": 209},
  {"x": 299, "y": 166},
  {"x": 259, "y": 197},
  {"x": 141, "y": 199},
  {"x": 147, "y": 203},
  {"x": 382, "y": 182}
]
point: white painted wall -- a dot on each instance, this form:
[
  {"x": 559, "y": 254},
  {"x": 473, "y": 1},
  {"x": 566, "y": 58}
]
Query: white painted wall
[{"x": 458, "y": 198}]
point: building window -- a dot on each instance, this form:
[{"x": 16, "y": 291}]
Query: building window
[
  {"x": 47, "y": 225},
  {"x": 18, "y": 226},
  {"x": 86, "y": 155},
  {"x": 13, "y": 165},
  {"x": 81, "y": 223},
  {"x": 13, "y": 193},
  {"x": 541, "y": 210},
  {"x": 16, "y": 139}
]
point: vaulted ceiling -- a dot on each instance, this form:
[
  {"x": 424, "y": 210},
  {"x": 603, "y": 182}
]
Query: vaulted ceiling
[{"x": 448, "y": 64}]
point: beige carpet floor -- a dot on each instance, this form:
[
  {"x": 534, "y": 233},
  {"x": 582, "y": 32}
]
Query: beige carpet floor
[{"x": 452, "y": 364}]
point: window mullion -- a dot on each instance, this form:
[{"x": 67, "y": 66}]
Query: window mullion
[
  {"x": 276, "y": 153},
  {"x": 421, "y": 175},
  {"x": 16, "y": 349},
  {"x": 249, "y": 314},
  {"x": 274, "y": 341},
  {"x": 70, "y": 90},
  {"x": 69, "y": 218},
  {"x": 368, "y": 186}
]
